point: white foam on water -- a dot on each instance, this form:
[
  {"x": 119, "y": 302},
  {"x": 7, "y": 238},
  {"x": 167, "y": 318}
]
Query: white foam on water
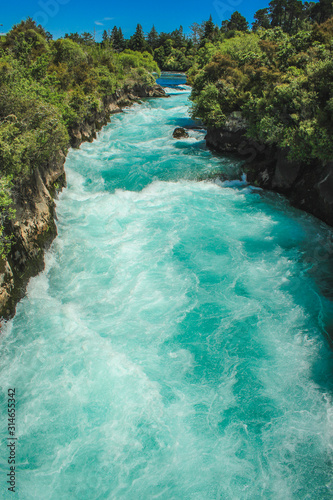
[
  {"x": 182, "y": 89},
  {"x": 165, "y": 352}
]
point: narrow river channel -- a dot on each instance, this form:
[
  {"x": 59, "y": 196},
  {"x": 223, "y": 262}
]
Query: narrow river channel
[{"x": 177, "y": 344}]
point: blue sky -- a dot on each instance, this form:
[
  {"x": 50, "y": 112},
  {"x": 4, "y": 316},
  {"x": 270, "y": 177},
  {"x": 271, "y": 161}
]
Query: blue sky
[{"x": 64, "y": 16}]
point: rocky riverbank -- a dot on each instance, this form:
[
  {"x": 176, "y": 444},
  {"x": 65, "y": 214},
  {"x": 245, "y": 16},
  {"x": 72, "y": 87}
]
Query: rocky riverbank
[
  {"x": 34, "y": 226},
  {"x": 307, "y": 186}
]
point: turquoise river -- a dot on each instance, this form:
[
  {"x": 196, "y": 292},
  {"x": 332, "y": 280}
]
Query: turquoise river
[{"x": 177, "y": 345}]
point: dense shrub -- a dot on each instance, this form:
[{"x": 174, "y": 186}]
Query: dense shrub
[{"x": 282, "y": 84}]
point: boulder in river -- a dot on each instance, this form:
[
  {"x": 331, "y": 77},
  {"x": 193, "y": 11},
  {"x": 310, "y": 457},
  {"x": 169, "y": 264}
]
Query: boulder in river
[{"x": 180, "y": 133}]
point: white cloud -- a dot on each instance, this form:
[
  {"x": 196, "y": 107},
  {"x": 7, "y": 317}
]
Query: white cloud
[
  {"x": 98, "y": 23},
  {"x": 108, "y": 18}
]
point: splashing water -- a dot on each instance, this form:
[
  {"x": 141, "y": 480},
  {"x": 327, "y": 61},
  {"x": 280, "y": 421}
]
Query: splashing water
[{"x": 175, "y": 347}]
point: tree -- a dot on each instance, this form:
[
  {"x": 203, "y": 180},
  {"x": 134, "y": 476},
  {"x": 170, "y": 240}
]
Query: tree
[
  {"x": 190, "y": 50},
  {"x": 197, "y": 32},
  {"x": 69, "y": 52},
  {"x": 209, "y": 28},
  {"x": 168, "y": 46},
  {"x": 224, "y": 26},
  {"x": 137, "y": 41},
  {"x": 7, "y": 213},
  {"x": 322, "y": 11},
  {"x": 87, "y": 38},
  {"x": 105, "y": 39},
  {"x": 323, "y": 33},
  {"x": 152, "y": 38},
  {"x": 117, "y": 39},
  {"x": 262, "y": 20},
  {"x": 277, "y": 12},
  {"x": 238, "y": 22},
  {"x": 27, "y": 41},
  {"x": 105, "y": 36},
  {"x": 75, "y": 37},
  {"x": 288, "y": 14},
  {"x": 114, "y": 37},
  {"x": 121, "y": 40},
  {"x": 178, "y": 37},
  {"x": 294, "y": 9},
  {"x": 29, "y": 24},
  {"x": 160, "y": 57}
]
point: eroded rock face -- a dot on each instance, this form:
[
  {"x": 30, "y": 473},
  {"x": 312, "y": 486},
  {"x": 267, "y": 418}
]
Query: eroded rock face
[
  {"x": 307, "y": 186},
  {"x": 325, "y": 185},
  {"x": 87, "y": 130},
  {"x": 180, "y": 133},
  {"x": 33, "y": 231},
  {"x": 286, "y": 171},
  {"x": 149, "y": 91},
  {"x": 230, "y": 138},
  {"x": 6, "y": 287}
]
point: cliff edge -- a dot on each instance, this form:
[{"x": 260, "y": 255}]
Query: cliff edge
[{"x": 308, "y": 186}]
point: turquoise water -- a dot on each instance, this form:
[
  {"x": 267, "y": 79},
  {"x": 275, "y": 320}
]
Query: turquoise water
[{"x": 176, "y": 346}]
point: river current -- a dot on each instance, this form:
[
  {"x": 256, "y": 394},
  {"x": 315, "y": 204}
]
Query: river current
[{"x": 176, "y": 347}]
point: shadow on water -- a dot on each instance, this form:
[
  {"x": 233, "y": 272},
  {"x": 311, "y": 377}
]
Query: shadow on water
[
  {"x": 312, "y": 245},
  {"x": 172, "y": 80},
  {"x": 187, "y": 123},
  {"x": 188, "y": 147}
]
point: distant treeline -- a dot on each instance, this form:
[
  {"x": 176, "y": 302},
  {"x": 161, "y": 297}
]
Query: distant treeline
[{"x": 176, "y": 52}]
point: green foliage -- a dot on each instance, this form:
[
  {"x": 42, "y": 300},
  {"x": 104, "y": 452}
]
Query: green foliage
[
  {"x": 117, "y": 39},
  {"x": 207, "y": 105},
  {"x": 262, "y": 20},
  {"x": 31, "y": 131},
  {"x": 203, "y": 57},
  {"x": 243, "y": 48},
  {"x": 171, "y": 59},
  {"x": 197, "y": 33},
  {"x": 69, "y": 52},
  {"x": 137, "y": 41},
  {"x": 7, "y": 213},
  {"x": 130, "y": 59},
  {"x": 152, "y": 38},
  {"x": 47, "y": 88},
  {"x": 25, "y": 44},
  {"x": 209, "y": 27},
  {"x": 237, "y": 22},
  {"x": 281, "y": 83},
  {"x": 323, "y": 33}
]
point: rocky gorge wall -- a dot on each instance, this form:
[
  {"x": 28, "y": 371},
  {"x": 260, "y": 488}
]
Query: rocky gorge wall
[
  {"x": 34, "y": 227},
  {"x": 307, "y": 186}
]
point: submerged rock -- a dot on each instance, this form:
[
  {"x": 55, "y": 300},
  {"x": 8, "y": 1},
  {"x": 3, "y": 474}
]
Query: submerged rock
[{"x": 180, "y": 133}]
